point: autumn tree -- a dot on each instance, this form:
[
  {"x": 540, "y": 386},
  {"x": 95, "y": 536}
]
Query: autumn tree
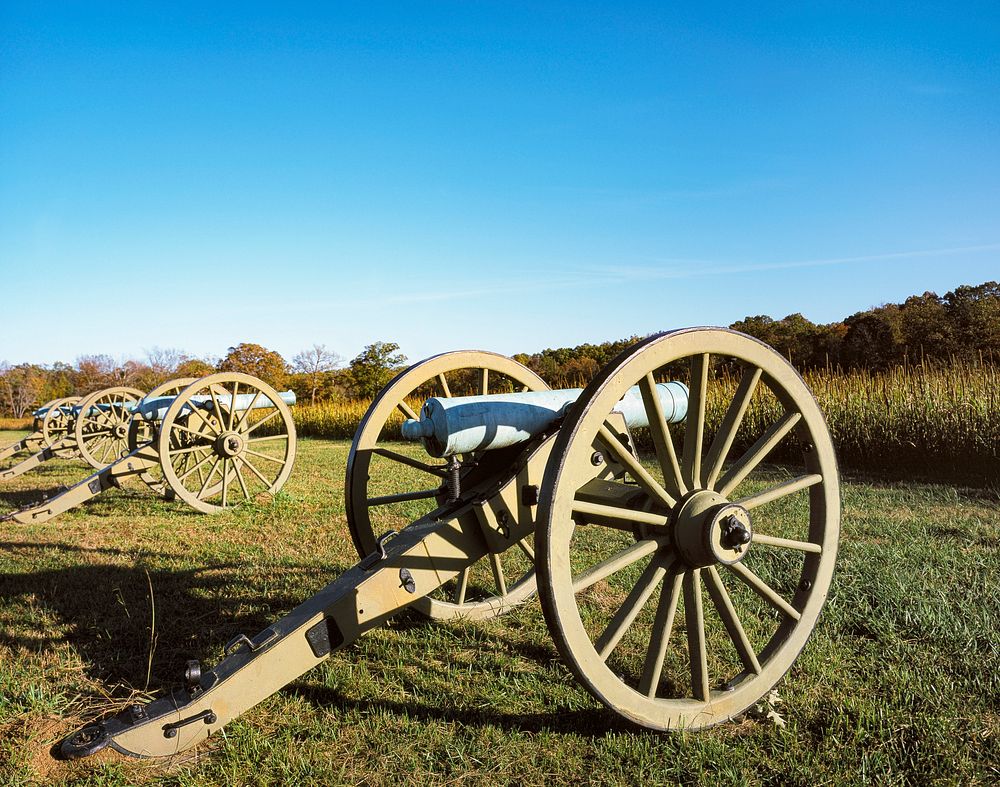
[
  {"x": 374, "y": 367},
  {"x": 253, "y": 359},
  {"x": 194, "y": 367},
  {"x": 315, "y": 365},
  {"x": 21, "y": 387},
  {"x": 94, "y": 372}
]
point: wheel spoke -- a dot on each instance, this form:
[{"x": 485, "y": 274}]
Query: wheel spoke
[
  {"x": 663, "y": 624},
  {"x": 256, "y": 472},
  {"x": 461, "y": 585},
  {"x": 444, "y": 386},
  {"x": 639, "y": 473},
  {"x": 405, "y": 409},
  {"x": 498, "y": 575},
  {"x": 268, "y": 438},
  {"x": 232, "y": 405},
  {"x": 787, "y": 543},
  {"x": 662, "y": 442},
  {"x": 225, "y": 481},
  {"x": 765, "y": 591},
  {"x": 215, "y": 402},
  {"x": 204, "y": 486},
  {"x": 264, "y": 456},
  {"x": 188, "y": 472},
  {"x": 438, "y": 471},
  {"x": 616, "y": 562},
  {"x": 189, "y": 448},
  {"x": 527, "y": 549},
  {"x": 403, "y": 497},
  {"x": 199, "y": 435},
  {"x": 630, "y": 609},
  {"x": 213, "y": 431},
  {"x": 724, "y": 606},
  {"x": 784, "y": 489},
  {"x": 274, "y": 414},
  {"x": 694, "y": 620},
  {"x": 731, "y": 424},
  {"x": 694, "y": 429},
  {"x": 618, "y": 518},
  {"x": 757, "y": 452},
  {"x": 484, "y": 381},
  {"x": 246, "y": 413}
]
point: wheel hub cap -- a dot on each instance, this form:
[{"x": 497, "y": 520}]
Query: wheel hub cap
[
  {"x": 709, "y": 529},
  {"x": 229, "y": 444}
]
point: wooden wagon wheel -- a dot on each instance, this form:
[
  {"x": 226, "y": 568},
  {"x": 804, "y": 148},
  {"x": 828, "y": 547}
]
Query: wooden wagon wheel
[
  {"x": 36, "y": 422},
  {"x": 390, "y": 483},
  {"x": 59, "y": 422},
  {"x": 695, "y": 516},
  {"x": 101, "y": 427},
  {"x": 214, "y": 455},
  {"x": 143, "y": 431}
]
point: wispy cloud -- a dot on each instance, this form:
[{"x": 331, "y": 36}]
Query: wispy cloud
[
  {"x": 517, "y": 281},
  {"x": 689, "y": 269}
]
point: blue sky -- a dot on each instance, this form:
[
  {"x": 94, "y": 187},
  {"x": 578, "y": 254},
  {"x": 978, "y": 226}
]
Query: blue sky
[{"x": 502, "y": 176}]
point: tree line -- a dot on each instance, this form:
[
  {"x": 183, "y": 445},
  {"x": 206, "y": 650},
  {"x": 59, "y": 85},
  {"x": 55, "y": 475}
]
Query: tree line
[
  {"x": 961, "y": 326},
  {"x": 314, "y": 374}
]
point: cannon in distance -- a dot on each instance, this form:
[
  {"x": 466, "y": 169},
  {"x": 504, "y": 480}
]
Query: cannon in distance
[
  {"x": 673, "y": 525},
  {"x": 178, "y": 437}
]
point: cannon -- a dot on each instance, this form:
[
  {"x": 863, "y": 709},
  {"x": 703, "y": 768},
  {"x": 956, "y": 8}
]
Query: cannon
[
  {"x": 49, "y": 424},
  {"x": 680, "y": 571},
  {"x": 32, "y": 442},
  {"x": 205, "y": 441},
  {"x": 93, "y": 428}
]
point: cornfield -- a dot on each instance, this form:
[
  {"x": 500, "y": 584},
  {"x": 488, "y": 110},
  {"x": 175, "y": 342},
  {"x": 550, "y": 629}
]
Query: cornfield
[
  {"x": 930, "y": 422},
  {"x": 935, "y": 423}
]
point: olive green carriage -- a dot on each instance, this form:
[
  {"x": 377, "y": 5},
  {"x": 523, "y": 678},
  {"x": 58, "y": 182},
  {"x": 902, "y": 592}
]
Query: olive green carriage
[
  {"x": 680, "y": 574},
  {"x": 206, "y": 441}
]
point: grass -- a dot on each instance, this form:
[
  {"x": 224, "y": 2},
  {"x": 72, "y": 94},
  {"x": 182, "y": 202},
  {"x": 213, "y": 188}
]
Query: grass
[{"x": 899, "y": 684}]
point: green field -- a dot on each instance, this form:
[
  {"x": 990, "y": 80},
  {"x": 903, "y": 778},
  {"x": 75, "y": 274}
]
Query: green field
[{"x": 900, "y": 683}]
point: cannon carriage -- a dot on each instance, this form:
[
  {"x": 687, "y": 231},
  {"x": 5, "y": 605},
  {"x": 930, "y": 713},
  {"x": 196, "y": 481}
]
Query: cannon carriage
[
  {"x": 35, "y": 440},
  {"x": 208, "y": 442},
  {"x": 680, "y": 573}
]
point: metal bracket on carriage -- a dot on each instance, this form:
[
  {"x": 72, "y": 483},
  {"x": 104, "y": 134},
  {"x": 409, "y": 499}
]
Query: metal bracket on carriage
[{"x": 376, "y": 557}]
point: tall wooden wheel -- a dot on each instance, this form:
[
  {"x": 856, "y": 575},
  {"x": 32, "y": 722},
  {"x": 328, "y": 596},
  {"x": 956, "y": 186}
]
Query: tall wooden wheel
[
  {"x": 226, "y": 439},
  {"x": 58, "y": 422},
  {"x": 680, "y": 593},
  {"x": 391, "y": 483},
  {"x": 143, "y": 430},
  {"x": 36, "y": 422},
  {"x": 101, "y": 427}
]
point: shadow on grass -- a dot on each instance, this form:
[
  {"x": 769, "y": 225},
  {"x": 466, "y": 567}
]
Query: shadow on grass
[
  {"x": 103, "y": 608},
  {"x": 588, "y": 722}
]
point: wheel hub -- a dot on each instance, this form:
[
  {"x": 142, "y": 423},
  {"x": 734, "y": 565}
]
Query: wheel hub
[
  {"x": 708, "y": 529},
  {"x": 120, "y": 431},
  {"x": 229, "y": 444}
]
